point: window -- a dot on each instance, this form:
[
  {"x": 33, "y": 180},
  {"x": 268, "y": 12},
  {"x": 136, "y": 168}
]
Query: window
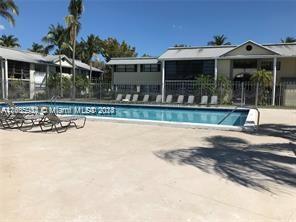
[
  {"x": 150, "y": 68},
  {"x": 18, "y": 70},
  {"x": 268, "y": 65},
  {"x": 40, "y": 68},
  {"x": 249, "y": 47},
  {"x": 131, "y": 68},
  {"x": 120, "y": 68},
  {"x": 245, "y": 64},
  {"x": 188, "y": 69},
  {"x": 125, "y": 68},
  {"x": 64, "y": 70}
]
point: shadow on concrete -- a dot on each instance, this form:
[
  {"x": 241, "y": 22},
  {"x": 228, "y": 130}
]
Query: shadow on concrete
[
  {"x": 278, "y": 130},
  {"x": 254, "y": 166}
]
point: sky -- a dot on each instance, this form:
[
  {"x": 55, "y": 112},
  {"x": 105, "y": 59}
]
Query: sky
[{"x": 153, "y": 26}]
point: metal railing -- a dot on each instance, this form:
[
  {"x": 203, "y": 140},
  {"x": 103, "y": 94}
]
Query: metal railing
[{"x": 228, "y": 93}]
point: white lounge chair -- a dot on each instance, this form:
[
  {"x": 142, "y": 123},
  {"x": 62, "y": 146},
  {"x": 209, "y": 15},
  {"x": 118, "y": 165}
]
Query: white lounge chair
[
  {"x": 204, "y": 100},
  {"x": 135, "y": 98},
  {"x": 127, "y": 98},
  {"x": 146, "y": 98},
  {"x": 190, "y": 99},
  {"x": 214, "y": 100},
  {"x": 169, "y": 99},
  {"x": 118, "y": 98},
  {"x": 158, "y": 99},
  {"x": 180, "y": 99}
]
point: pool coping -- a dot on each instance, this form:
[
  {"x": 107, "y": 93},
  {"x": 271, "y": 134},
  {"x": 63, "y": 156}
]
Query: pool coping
[
  {"x": 167, "y": 123},
  {"x": 164, "y": 105}
]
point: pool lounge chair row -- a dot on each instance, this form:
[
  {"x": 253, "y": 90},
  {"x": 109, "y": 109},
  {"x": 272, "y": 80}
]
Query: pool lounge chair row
[
  {"x": 169, "y": 99},
  {"x": 46, "y": 121}
]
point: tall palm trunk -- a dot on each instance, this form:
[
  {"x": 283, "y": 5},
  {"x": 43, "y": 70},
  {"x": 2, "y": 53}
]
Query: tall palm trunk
[
  {"x": 61, "y": 76},
  {"x": 73, "y": 58},
  {"x": 90, "y": 77}
]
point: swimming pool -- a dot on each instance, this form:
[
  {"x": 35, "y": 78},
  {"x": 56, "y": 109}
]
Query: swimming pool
[{"x": 148, "y": 113}]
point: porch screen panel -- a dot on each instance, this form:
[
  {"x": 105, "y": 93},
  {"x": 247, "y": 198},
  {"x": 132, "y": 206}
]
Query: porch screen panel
[
  {"x": 18, "y": 70},
  {"x": 188, "y": 69}
]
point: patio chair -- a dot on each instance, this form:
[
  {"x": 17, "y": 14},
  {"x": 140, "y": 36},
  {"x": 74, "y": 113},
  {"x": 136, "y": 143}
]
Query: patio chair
[
  {"x": 20, "y": 120},
  {"x": 169, "y": 99},
  {"x": 204, "y": 100},
  {"x": 127, "y": 98},
  {"x": 214, "y": 100},
  {"x": 180, "y": 99},
  {"x": 146, "y": 98},
  {"x": 9, "y": 103},
  {"x": 118, "y": 98},
  {"x": 158, "y": 99},
  {"x": 56, "y": 123},
  {"x": 27, "y": 122},
  {"x": 135, "y": 98},
  {"x": 4, "y": 119},
  {"x": 11, "y": 106},
  {"x": 190, "y": 99}
]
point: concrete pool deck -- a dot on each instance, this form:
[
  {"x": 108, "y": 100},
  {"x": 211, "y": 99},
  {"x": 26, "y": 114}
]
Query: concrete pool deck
[{"x": 132, "y": 172}]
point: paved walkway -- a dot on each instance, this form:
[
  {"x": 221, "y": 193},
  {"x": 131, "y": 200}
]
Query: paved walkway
[{"x": 129, "y": 172}]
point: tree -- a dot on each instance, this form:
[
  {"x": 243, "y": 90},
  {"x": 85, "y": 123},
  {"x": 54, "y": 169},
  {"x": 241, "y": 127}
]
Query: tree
[
  {"x": 8, "y": 9},
  {"x": 288, "y": 39},
  {"x": 9, "y": 41},
  {"x": 263, "y": 78},
  {"x": 86, "y": 49},
  {"x": 72, "y": 20},
  {"x": 111, "y": 48},
  {"x": 39, "y": 48},
  {"x": 219, "y": 40},
  {"x": 55, "y": 38},
  {"x": 146, "y": 55}
]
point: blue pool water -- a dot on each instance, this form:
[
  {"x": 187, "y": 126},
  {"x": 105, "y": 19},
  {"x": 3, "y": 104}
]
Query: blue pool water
[{"x": 141, "y": 112}]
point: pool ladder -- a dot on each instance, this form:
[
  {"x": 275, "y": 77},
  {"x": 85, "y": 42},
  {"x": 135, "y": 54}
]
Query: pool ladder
[
  {"x": 53, "y": 100},
  {"x": 233, "y": 110}
]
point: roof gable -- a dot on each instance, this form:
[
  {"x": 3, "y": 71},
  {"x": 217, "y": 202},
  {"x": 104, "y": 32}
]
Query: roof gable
[
  {"x": 249, "y": 48},
  {"x": 65, "y": 61}
]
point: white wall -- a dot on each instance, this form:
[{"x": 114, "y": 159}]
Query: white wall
[
  {"x": 224, "y": 68},
  {"x": 136, "y": 77},
  {"x": 288, "y": 68}
]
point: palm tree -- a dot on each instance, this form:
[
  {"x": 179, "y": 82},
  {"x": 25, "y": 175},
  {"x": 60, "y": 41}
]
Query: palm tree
[
  {"x": 89, "y": 48},
  {"x": 39, "y": 48},
  {"x": 55, "y": 38},
  {"x": 8, "y": 9},
  {"x": 263, "y": 78},
  {"x": 86, "y": 49},
  {"x": 288, "y": 39},
  {"x": 219, "y": 40},
  {"x": 9, "y": 41},
  {"x": 72, "y": 20}
]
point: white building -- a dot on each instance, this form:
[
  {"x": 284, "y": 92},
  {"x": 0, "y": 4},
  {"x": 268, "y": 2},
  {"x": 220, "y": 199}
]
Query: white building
[
  {"x": 34, "y": 68},
  {"x": 186, "y": 63}
]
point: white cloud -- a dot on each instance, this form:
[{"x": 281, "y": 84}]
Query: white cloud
[{"x": 2, "y": 27}]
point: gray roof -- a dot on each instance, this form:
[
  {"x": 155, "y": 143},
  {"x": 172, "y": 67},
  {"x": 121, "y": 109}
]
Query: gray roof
[
  {"x": 204, "y": 52},
  {"x": 288, "y": 49},
  {"x": 23, "y": 56},
  {"x": 31, "y": 57},
  {"x": 210, "y": 52},
  {"x": 133, "y": 61}
]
